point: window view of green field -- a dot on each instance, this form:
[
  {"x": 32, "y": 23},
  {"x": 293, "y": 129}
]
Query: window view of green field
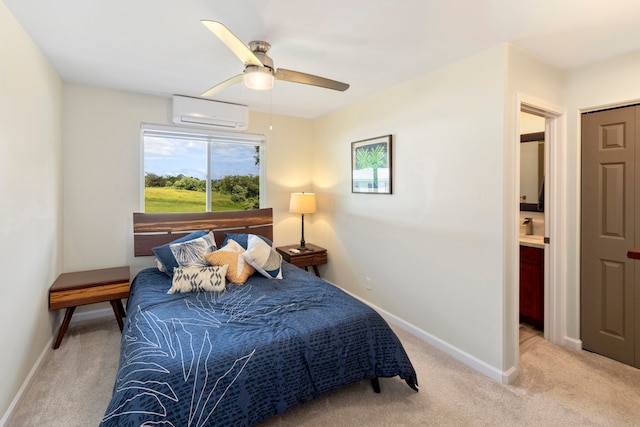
[
  {"x": 188, "y": 194},
  {"x": 177, "y": 171}
]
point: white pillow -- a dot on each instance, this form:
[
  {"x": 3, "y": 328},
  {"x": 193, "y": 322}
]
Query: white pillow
[
  {"x": 266, "y": 260},
  {"x": 196, "y": 279},
  {"x": 192, "y": 252}
]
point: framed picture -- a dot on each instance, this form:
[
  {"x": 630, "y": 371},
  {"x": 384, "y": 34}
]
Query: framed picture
[{"x": 371, "y": 165}]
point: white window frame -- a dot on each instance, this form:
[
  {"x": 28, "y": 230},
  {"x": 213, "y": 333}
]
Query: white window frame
[{"x": 147, "y": 129}]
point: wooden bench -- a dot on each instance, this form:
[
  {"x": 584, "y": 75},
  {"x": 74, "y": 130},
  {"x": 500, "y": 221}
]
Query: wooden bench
[{"x": 88, "y": 287}]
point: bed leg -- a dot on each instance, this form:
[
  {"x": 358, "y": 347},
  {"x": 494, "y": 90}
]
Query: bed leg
[{"x": 375, "y": 383}]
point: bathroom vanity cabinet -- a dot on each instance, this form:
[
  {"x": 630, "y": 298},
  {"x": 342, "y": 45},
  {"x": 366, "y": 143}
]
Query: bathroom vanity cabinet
[{"x": 532, "y": 286}]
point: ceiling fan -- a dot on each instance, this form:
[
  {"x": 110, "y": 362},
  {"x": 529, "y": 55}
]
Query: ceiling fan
[{"x": 259, "y": 72}]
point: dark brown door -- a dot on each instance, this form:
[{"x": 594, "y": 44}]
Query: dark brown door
[{"x": 610, "y": 213}]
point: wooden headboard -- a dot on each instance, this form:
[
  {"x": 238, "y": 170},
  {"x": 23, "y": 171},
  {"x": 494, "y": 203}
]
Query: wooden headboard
[{"x": 154, "y": 229}]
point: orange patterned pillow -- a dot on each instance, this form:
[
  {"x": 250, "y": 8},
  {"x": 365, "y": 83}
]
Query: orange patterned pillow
[{"x": 231, "y": 254}]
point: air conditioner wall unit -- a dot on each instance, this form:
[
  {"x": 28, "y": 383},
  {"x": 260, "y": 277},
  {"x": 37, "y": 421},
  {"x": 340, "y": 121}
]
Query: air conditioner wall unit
[{"x": 210, "y": 114}]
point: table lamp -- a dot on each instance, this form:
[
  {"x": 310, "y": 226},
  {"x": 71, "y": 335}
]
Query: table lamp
[{"x": 302, "y": 203}]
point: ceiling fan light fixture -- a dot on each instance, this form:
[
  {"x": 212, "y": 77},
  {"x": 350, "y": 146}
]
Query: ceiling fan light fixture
[
  {"x": 258, "y": 78},
  {"x": 259, "y": 71}
]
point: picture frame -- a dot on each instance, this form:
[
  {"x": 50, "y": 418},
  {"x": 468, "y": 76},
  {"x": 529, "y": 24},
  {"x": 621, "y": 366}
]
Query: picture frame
[{"x": 371, "y": 165}]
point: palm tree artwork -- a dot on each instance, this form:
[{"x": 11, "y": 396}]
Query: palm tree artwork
[{"x": 371, "y": 156}]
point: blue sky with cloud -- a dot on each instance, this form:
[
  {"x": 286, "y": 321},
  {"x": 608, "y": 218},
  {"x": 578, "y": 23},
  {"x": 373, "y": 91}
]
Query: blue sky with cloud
[{"x": 173, "y": 156}]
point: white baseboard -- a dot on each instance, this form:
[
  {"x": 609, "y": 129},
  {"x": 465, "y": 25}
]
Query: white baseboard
[
  {"x": 510, "y": 375},
  {"x": 504, "y": 377},
  {"x": 18, "y": 398},
  {"x": 464, "y": 357},
  {"x": 77, "y": 317},
  {"x": 572, "y": 343}
]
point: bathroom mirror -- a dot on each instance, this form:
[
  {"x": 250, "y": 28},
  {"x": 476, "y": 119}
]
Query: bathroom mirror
[{"x": 532, "y": 172}]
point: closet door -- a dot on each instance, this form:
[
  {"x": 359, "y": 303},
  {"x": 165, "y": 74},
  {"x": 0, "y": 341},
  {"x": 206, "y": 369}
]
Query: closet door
[{"x": 609, "y": 211}]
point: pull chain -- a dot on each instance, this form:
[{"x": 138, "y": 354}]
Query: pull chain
[{"x": 271, "y": 110}]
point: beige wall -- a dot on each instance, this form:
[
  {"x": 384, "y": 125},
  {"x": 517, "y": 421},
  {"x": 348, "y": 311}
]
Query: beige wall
[
  {"x": 31, "y": 202},
  {"x": 433, "y": 249},
  {"x": 102, "y": 172},
  {"x": 530, "y": 123},
  {"x": 441, "y": 251}
]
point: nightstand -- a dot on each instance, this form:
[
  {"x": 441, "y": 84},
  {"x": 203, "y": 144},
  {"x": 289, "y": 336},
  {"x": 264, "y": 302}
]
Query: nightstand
[
  {"x": 305, "y": 259},
  {"x": 88, "y": 287}
]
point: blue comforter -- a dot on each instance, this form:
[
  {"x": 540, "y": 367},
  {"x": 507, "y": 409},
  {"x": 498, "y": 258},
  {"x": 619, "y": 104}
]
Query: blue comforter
[{"x": 245, "y": 354}]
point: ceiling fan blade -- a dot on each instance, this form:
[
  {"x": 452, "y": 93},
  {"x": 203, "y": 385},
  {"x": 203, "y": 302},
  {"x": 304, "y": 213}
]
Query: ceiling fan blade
[
  {"x": 310, "y": 79},
  {"x": 236, "y": 45},
  {"x": 223, "y": 85}
]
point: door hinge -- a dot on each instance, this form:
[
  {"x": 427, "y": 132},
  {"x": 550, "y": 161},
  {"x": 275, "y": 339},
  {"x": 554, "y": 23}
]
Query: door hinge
[{"x": 547, "y": 240}]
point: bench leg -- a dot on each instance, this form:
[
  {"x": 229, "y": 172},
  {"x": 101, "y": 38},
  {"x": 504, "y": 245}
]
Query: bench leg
[
  {"x": 64, "y": 326},
  {"x": 121, "y": 309},
  {"x": 116, "y": 311}
]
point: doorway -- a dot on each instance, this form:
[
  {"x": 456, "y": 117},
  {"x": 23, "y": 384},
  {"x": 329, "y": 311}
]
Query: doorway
[
  {"x": 555, "y": 211},
  {"x": 533, "y": 174}
]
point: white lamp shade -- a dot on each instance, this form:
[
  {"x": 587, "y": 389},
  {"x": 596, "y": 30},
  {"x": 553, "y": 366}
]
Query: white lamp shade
[
  {"x": 302, "y": 203},
  {"x": 258, "y": 78}
]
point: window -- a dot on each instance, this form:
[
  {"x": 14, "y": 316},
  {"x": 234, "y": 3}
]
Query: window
[{"x": 188, "y": 170}]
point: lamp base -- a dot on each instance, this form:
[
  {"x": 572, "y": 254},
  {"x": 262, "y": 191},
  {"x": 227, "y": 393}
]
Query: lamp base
[{"x": 302, "y": 247}]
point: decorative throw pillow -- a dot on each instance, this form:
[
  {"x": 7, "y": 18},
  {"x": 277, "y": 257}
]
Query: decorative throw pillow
[
  {"x": 241, "y": 238},
  {"x": 160, "y": 266},
  {"x": 165, "y": 256},
  {"x": 231, "y": 254},
  {"x": 266, "y": 260},
  {"x": 196, "y": 279},
  {"x": 191, "y": 253}
]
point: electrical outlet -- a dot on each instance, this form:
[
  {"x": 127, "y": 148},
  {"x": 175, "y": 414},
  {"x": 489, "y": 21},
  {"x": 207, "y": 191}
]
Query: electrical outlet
[{"x": 367, "y": 281}]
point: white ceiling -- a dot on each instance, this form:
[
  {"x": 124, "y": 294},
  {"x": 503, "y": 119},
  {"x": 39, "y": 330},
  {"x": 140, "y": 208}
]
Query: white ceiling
[{"x": 159, "y": 47}]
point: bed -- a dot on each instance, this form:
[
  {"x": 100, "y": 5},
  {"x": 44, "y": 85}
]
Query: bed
[{"x": 243, "y": 354}]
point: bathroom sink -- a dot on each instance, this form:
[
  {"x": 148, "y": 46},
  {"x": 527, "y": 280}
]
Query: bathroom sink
[{"x": 533, "y": 241}]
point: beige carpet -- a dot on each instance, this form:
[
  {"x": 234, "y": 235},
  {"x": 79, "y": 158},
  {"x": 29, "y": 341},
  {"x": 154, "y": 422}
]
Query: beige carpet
[{"x": 557, "y": 387}]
